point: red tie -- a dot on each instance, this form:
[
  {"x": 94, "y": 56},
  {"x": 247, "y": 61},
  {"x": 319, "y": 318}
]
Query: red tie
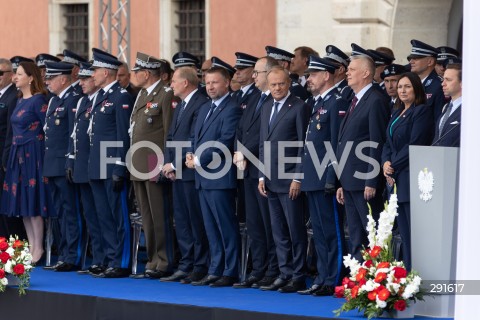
[{"x": 354, "y": 103}]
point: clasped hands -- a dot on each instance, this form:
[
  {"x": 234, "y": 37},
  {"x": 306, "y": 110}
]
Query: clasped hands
[{"x": 387, "y": 172}]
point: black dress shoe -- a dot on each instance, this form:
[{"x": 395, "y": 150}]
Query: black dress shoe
[
  {"x": 266, "y": 281},
  {"x": 93, "y": 269},
  {"x": 193, "y": 277},
  {"x": 277, "y": 284},
  {"x": 206, "y": 280},
  {"x": 224, "y": 281},
  {"x": 176, "y": 277},
  {"x": 314, "y": 288},
  {"x": 156, "y": 274},
  {"x": 247, "y": 283},
  {"x": 52, "y": 267},
  {"x": 293, "y": 286},
  {"x": 66, "y": 267},
  {"x": 325, "y": 291},
  {"x": 113, "y": 273}
]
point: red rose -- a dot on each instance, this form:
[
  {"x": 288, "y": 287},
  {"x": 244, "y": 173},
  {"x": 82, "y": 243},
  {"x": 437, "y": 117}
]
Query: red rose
[
  {"x": 3, "y": 246},
  {"x": 383, "y": 294},
  {"x": 17, "y": 244},
  {"x": 368, "y": 263},
  {"x": 380, "y": 277},
  {"x": 3, "y": 239},
  {"x": 372, "y": 295},
  {"x": 2, "y": 274},
  {"x": 400, "y": 305},
  {"x": 382, "y": 265},
  {"x": 362, "y": 282},
  {"x": 4, "y": 257},
  {"x": 339, "y": 291},
  {"x": 345, "y": 281},
  {"x": 361, "y": 274},
  {"x": 19, "y": 269},
  {"x": 375, "y": 251},
  {"x": 350, "y": 284},
  {"x": 354, "y": 291},
  {"x": 400, "y": 272}
]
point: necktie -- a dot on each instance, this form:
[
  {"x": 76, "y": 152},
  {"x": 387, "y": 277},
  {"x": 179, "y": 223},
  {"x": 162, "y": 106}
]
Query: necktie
[
  {"x": 274, "y": 115},
  {"x": 317, "y": 103},
  {"x": 260, "y": 102},
  {"x": 210, "y": 112},
  {"x": 180, "y": 112},
  {"x": 445, "y": 117},
  {"x": 354, "y": 104}
]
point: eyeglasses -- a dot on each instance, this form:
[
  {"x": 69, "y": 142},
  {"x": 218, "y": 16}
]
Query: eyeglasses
[
  {"x": 3, "y": 72},
  {"x": 256, "y": 72}
]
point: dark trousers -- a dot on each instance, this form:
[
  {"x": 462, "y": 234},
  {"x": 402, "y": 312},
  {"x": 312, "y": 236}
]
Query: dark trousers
[
  {"x": 189, "y": 228},
  {"x": 218, "y": 211},
  {"x": 65, "y": 198},
  {"x": 259, "y": 229},
  {"x": 114, "y": 222},
  {"x": 289, "y": 234},
  {"x": 403, "y": 223},
  {"x": 93, "y": 224},
  {"x": 357, "y": 211},
  {"x": 327, "y": 237}
]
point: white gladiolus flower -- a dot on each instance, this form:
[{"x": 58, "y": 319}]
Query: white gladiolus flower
[
  {"x": 10, "y": 251},
  {"x": 393, "y": 287},
  {"x": 8, "y": 267},
  {"x": 380, "y": 303},
  {"x": 371, "y": 231}
]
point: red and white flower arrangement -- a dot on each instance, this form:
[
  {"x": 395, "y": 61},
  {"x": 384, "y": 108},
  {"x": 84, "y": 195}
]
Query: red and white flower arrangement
[
  {"x": 380, "y": 283},
  {"x": 15, "y": 263}
]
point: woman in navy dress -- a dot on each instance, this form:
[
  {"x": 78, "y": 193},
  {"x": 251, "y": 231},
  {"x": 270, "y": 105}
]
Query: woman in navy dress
[
  {"x": 411, "y": 124},
  {"x": 25, "y": 192}
]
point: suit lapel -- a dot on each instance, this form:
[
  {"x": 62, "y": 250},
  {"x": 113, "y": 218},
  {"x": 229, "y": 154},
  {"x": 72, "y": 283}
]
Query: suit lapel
[
  {"x": 287, "y": 105},
  {"x": 213, "y": 116}
]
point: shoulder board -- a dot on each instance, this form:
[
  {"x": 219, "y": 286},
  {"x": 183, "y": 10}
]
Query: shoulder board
[
  {"x": 294, "y": 84},
  {"x": 167, "y": 89}
]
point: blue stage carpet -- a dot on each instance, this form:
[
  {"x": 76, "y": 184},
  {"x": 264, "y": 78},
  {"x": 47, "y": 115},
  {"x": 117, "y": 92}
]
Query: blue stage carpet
[{"x": 178, "y": 294}]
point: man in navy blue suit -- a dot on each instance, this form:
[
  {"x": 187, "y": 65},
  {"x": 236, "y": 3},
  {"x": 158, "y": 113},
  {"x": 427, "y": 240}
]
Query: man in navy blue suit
[
  {"x": 319, "y": 178},
  {"x": 107, "y": 171},
  {"x": 365, "y": 122},
  {"x": 58, "y": 127},
  {"x": 259, "y": 230},
  {"x": 215, "y": 177},
  {"x": 284, "y": 121},
  {"x": 423, "y": 59},
  {"x": 447, "y": 128},
  {"x": 190, "y": 231}
]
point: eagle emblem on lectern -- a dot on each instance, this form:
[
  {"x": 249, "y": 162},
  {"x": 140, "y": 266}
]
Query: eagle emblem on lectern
[{"x": 425, "y": 184}]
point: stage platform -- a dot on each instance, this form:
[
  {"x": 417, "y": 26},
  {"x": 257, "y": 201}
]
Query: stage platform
[{"x": 54, "y": 295}]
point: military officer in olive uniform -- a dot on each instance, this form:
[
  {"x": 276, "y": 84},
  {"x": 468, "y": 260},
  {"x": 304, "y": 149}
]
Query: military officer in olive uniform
[
  {"x": 149, "y": 124},
  {"x": 107, "y": 171},
  {"x": 58, "y": 126}
]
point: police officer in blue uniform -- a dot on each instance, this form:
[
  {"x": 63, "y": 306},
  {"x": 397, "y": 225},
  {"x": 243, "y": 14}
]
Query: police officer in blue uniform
[
  {"x": 284, "y": 58},
  {"x": 422, "y": 60},
  {"x": 58, "y": 126},
  {"x": 445, "y": 53},
  {"x": 77, "y": 167},
  {"x": 109, "y": 142},
  {"x": 16, "y": 62},
  {"x": 74, "y": 59},
  {"x": 319, "y": 179},
  {"x": 337, "y": 56},
  {"x": 382, "y": 60},
  {"x": 217, "y": 62}
]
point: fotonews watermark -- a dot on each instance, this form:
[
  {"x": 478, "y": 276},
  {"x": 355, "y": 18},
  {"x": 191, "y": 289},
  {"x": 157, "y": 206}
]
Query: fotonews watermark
[{"x": 214, "y": 159}]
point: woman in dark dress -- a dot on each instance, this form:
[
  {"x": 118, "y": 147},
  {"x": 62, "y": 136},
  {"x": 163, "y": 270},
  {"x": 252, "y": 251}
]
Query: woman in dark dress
[
  {"x": 25, "y": 191},
  {"x": 411, "y": 124}
]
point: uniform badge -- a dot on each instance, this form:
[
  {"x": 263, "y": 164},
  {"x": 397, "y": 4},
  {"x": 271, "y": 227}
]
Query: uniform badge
[
  {"x": 102, "y": 109},
  {"x": 174, "y": 104},
  {"x": 55, "y": 114},
  {"x": 428, "y": 82},
  {"x": 243, "y": 106},
  {"x": 87, "y": 114},
  {"x": 429, "y": 95},
  {"x": 317, "y": 117},
  {"x": 146, "y": 111},
  {"x": 319, "y": 126},
  {"x": 57, "y": 122},
  {"x": 149, "y": 120}
]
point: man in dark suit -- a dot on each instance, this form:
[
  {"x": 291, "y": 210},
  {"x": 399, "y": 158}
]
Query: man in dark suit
[
  {"x": 190, "y": 231},
  {"x": 77, "y": 167},
  {"x": 284, "y": 121},
  {"x": 215, "y": 177},
  {"x": 319, "y": 177},
  {"x": 149, "y": 123},
  {"x": 259, "y": 230},
  {"x": 58, "y": 127},
  {"x": 422, "y": 60},
  {"x": 8, "y": 101},
  {"x": 365, "y": 122},
  {"x": 447, "y": 128},
  {"x": 107, "y": 171}
]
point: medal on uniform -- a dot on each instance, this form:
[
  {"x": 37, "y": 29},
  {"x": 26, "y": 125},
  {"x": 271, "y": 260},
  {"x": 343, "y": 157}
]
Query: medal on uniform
[
  {"x": 318, "y": 117},
  {"x": 102, "y": 109},
  {"x": 146, "y": 111},
  {"x": 319, "y": 126},
  {"x": 57, "y": 122},
  {"x": 149, "y": 120},
  {"x": 87, "y": 114},
  {"x": 55, "y": 114}
]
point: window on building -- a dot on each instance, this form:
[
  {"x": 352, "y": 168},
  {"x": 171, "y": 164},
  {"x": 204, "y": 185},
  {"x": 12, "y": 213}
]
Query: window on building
[
  {"x": 191, "y": 27},
  {"x": 76, "y": 29}
]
